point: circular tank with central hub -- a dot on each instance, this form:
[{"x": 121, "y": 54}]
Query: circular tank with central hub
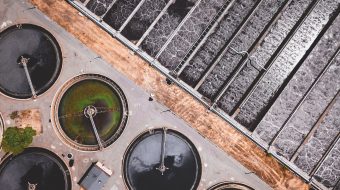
[
  {"x": 30, "y": 61},
  {"x": 35, "y": 168},
  {"x": 90, "y": 112},
  {"x": 1, "y": 127},
  {"x": 162, "y": 159},
  {"x": 230, "y": 186}
]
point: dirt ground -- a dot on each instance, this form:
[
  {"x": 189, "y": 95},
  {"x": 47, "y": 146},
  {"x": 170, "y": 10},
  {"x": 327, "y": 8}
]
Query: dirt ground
[
  {"x": 181, "y": 103},
  {"x": 31, "y": 118}
]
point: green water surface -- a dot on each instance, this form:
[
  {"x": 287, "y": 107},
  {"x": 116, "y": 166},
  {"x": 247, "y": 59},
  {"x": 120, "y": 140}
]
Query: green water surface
[{"x": 77, "y": 98}]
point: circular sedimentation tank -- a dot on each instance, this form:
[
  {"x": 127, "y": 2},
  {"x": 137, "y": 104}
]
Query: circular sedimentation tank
[
  {"x": 30, "y": 61},
  {"x": 230, "y": 186},
  {"x": 162, "y": 159},
  {"x": 1, "y": 127},
  {"x": 90, "y": 112},
  {"x": 35, "y": 168}
]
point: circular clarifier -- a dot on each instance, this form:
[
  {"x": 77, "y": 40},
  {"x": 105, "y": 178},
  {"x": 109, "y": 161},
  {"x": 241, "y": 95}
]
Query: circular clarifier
[
  {"x": 30, "y": 61},
  {"x": 1, "y": 127},
  {"x": 36, "y": 168},
  {"x": 230, "y": 186},
  {"x": 162, "y": 159},
  {"x": 90, "y": 112}
]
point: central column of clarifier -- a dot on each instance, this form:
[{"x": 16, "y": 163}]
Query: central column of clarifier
[
  {"x": 32, "y": 186},
  {"x": 89, "y": 112},
  {"x": 175, "y": 164},
  {"x": 162, "y": 168},
  {"x": 24, "y": 62}
]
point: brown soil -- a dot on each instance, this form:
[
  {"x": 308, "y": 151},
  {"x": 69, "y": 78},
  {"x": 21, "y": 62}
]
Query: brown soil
[
  {"x": 181, "y": 103},
  {"x": 29, "y": 118}
]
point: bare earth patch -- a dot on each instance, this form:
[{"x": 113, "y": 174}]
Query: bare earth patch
[
  {"x": 181, "y": 103},
  {"x": 31, "y": 118}
]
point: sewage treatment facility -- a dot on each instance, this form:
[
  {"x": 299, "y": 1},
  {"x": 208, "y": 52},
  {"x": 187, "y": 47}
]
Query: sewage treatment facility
[{"x": 171, "y": 94}]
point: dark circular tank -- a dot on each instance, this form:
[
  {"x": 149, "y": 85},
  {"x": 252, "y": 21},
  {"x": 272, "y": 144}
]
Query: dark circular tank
[
  {"x": 42, "y": 56},
  {"x": 91, "y": 112},
  {"x": 1, "y": 127},
  {"x": 35, "y": 167},
  {"x": 230, "y": 186},
  {"x": 162, "y": 159}
]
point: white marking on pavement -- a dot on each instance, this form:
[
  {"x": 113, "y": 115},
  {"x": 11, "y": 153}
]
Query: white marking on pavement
[
  {"x": 86, "y": 160},
  {"x": 5, "y": 24}
]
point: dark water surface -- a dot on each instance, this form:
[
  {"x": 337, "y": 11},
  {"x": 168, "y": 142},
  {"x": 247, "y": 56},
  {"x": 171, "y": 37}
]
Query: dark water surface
[
  {"x": 144, "y": 157},
  {"x": 44, "y": 64},
  {"x": 230, "y": 186},
  {"x": 37, "y": 166}
]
